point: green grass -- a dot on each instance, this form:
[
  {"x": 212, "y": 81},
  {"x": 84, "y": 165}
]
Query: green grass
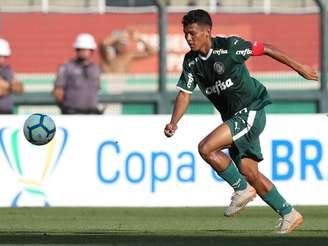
[{"x": 156, "y": 226}]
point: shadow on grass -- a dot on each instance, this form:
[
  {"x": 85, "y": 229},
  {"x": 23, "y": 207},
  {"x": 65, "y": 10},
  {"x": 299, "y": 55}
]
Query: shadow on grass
[{"x": 105, "y": 239}]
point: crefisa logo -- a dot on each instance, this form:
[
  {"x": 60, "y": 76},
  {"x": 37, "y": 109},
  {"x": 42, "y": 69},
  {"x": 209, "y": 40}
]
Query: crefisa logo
[{"x": 32, "y": 165}]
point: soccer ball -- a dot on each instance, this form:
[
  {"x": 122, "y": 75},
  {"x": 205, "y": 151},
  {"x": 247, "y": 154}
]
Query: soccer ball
[{"x": 39, "y": 129}]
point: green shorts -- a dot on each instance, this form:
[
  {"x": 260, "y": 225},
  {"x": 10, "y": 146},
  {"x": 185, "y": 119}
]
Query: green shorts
[{"x": 246, "y": 127}]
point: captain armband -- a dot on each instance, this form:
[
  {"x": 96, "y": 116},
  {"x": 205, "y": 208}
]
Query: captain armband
[{"x": 257, "y": 48}]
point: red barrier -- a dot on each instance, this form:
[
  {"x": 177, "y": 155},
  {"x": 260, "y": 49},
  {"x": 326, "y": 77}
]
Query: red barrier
[{"x": 40, "y": 42}]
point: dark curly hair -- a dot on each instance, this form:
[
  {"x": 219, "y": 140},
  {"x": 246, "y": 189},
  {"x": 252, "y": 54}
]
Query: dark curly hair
[{"x": 198, "y": 16}]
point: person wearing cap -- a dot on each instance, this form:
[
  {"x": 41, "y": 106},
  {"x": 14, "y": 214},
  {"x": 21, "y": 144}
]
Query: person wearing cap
[
  {"x": 8, "y": 83},
  {"x": 116, "y": 57},
  {"x": 78, "y": 80}
]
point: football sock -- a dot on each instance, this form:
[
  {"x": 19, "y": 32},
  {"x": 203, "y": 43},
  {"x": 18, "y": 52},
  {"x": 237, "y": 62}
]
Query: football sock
[
  {"x": 277, "y": 202},
  {"x": 232, "y": 175}
]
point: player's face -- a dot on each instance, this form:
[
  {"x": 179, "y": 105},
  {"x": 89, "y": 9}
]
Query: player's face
[
  {"x": 197, "y": 36},
  {"x": 84, "y": 54}
]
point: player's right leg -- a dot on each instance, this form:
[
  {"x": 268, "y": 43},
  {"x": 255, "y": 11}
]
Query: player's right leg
[
  {"x": 210, "y": 147},
  {"x": 210, "y": 150}
]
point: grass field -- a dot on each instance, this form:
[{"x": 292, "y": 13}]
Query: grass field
[{"x": 156, "y": 226}]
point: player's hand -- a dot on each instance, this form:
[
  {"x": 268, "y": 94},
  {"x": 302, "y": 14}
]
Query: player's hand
[
  {"x": 308, "y": 72},
  {"x": 4, "y": 88},
  {"x": 16, "y": 86},
  {"x": 170, "y": 129}
]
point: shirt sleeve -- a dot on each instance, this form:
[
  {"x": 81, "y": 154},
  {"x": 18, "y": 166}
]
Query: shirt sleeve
[
  {"x": 187, "y": 81},
  {"x": 61, "y": 78},
  {"x": 240, "y": 49}
]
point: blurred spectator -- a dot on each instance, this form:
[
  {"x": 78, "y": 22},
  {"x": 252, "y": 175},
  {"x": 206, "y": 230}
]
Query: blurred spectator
[
  {"x": 8, "y": 83},
  {"x": 78, "y": 80},
  {"x": 116, "y": 57}
]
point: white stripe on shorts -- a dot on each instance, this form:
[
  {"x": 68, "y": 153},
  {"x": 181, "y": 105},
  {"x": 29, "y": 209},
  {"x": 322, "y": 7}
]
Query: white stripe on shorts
[
  {"x": 250, "y": 121},
  {"x": 184, "y": 90}
]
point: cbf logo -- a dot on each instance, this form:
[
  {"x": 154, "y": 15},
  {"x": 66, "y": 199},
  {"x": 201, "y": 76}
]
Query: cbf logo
[{"x": 32, "y": 165}]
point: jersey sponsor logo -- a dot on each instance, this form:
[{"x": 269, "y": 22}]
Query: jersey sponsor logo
[
  {"x": 219, "y": 87},
  {"x": 244, "y": 52},
  {"x": 190, "y": 80},
  {"x": 218, "y": 67},
  {"x": 220, "y": 52}
]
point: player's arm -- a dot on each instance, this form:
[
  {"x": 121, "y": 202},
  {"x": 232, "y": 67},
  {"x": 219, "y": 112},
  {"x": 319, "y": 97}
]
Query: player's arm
[
  {"x": 16, "y": 87},
  {"x": 105, "y": 48},
  {"x": 58, "y": 90},
  {"x": 4, "y": 88},
  {"x": 304, "y": 70},
  {"x": 106, "y": 45},
  {"x": 180, "y": 107},
  {"x": 13, "y": 86},
  {"x": 10, "y": 84},
  {"x": 186, "y": 85},
  {"x": 58, "y": 94},
  {"x": 146, "y": 52}
]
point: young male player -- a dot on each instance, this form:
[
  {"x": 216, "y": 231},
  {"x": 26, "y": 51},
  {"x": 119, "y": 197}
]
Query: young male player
[{"x": 216, "y": 65}]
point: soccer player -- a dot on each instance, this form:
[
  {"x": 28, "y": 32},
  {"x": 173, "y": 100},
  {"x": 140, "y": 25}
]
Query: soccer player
[{"x": 216, "y": 65}]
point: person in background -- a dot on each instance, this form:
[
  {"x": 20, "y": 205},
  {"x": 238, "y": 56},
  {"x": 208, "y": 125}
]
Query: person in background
[
  {"x": 8, "y": 83},
  {"x": 116, "y": 57},
  {"x": 78, "y": 80}
]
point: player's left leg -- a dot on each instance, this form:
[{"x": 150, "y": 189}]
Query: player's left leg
[{"x": 290, "y": 218}]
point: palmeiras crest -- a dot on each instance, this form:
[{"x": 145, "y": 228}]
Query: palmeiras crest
[{"x": 218, "y": 67}]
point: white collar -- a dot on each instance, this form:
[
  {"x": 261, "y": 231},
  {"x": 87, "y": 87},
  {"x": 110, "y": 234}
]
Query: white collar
[{"x": 207, "y": 56}]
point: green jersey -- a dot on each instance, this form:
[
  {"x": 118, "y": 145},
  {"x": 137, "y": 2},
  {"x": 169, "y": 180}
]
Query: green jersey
[{"x": 223, "y": 77}]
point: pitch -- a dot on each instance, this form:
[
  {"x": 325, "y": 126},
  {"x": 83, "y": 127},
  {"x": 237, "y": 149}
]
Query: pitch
[{"x": 156, "y": 226}]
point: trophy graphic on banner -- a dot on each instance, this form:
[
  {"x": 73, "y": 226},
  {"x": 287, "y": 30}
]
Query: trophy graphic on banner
[{"x": 32, "y": 164}]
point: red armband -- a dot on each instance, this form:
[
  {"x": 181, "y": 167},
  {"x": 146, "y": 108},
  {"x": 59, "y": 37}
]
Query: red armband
[{"x": 257, "y": 48}]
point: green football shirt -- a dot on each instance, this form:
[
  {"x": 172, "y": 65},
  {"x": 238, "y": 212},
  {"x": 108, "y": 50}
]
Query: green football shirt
[{"x": 223, "y": 77}]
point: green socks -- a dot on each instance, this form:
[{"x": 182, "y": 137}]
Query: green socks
[
  {"x": 273, "y": 198},
  {"x": 277, "y": 202},
  {"x": 232, "y": 175}
]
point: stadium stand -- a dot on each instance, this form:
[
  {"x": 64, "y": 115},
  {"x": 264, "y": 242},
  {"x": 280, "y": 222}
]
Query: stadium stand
[{"x": 38, "y": 78}]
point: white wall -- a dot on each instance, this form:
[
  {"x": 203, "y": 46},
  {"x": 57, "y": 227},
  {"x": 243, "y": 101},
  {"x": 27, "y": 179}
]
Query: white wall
[{"x": 127, "y": 161}]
